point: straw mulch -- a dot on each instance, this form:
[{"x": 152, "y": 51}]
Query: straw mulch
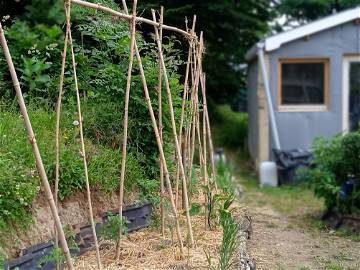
[{"x": 147, "y": 250}]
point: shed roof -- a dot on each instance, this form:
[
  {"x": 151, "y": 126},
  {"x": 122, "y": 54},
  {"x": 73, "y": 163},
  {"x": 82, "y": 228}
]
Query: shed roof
[{"x": 274, "y": 42}]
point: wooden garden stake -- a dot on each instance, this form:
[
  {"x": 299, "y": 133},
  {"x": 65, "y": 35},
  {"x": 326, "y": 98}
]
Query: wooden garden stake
[
  {"x": 202, "y": 82},
  {"x": 36, "y": 152},
  {"x": 162, "y": 191},
  {"x": 162, "y": 155},
  {"x": 158, "y": 141},
  {"x": 177, "y": 147},
  {"x": 125, "y": 126},
  {"x": 194, "y": 110},
  {"x": 207, "y": 123},
  {"x": 58, "y": 116},
  {"x": 204, "y": 127},
  {"x": 83, "y": 153},
  {"x": 184, "y": 99}
]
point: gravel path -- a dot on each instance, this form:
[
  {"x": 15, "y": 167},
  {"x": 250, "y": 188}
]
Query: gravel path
[{"x": 293, "y": 241}]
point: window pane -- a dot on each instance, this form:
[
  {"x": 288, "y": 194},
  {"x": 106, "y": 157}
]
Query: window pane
[{"x": 302, "y": 83}]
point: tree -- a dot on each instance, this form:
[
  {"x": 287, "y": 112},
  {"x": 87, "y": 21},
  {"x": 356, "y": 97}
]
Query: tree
[
  {"x": 303, "y": 11},
  {"x": 230, "y": 28}
]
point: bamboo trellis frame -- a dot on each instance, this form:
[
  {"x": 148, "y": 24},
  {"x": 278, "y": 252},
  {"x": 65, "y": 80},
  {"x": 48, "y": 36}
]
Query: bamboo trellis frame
[{"x": 184, "y": 138}]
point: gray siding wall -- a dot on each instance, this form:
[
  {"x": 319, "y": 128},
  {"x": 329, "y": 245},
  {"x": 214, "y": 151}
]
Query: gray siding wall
[
  {"x": 298, "y": 129},
  {"x": 252, "y": 102}
]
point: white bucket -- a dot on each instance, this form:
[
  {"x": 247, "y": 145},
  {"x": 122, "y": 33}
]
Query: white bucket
[{"x": 268, "y": 174}]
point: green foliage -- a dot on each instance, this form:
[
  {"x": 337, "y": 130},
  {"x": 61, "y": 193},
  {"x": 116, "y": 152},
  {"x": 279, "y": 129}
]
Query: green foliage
[
  {"x": 36, "y": 52},
  {"x": 19, "y": 183},
  {"x": 102, "y": 48},
  {"x": 230, "y": 243},
  {"x": 114, "y": 225},
  {"x": 215, "y": 201},
  {"x": 305, "y": 10},
  {"x": 337, "y": 161},
  {"x": 230, "y": 128},
  {"x": 57, "y": 254},
  {"x": 234, "y": 27},
  {"x": 224, "y": 177},
  {"x": 195, "y": 209}
]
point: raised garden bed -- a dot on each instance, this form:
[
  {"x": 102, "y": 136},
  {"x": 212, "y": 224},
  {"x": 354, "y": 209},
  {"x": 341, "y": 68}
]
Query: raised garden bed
[{"x": 33, "y": 256}]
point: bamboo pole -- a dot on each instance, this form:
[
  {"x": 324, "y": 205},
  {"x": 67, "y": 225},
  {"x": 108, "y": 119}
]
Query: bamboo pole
[
  {"x": 206, "y": 112},
  {"x": 36, "y": 152},
  {"x": 129, "y": 17},
  {"x": 162, "y": 192},
  {"x": 194, "y": 109},
  {"x": 58, "y": 116},
  {"x": 83, "y": 154},
  {"x": 158, "y": 141},
  {"x": 204, "y": 127},
  {"x": 184, "y": 99},
  {"x": 125, "y": 125},
  {"x": 211, "y": 147},
  {"x": 177, "y": 147},
  {"x": 204, "y": 130}
]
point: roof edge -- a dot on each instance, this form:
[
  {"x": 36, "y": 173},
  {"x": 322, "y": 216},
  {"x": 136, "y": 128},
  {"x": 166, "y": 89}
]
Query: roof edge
[{"x": 276, "y": 41}]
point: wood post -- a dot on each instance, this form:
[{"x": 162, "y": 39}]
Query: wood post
[
  {"x": 83, "y": 153},
  {"x": 36, "y": 152},
  {"x": 184, "y": 99},
  {"x": 162, "y": 191},
  {"x": 58, "y": 117},
  {"x": 125, "y": 127},
  {"x": 158, "y": 141},
  {"x": 177, "y": 147}
]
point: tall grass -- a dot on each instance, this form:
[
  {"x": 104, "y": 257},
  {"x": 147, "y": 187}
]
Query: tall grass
[{"x": 19, "y": 182}]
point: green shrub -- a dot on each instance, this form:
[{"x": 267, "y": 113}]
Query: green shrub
[
  {"x": 230, "y": 127},
  {"x": 337, "y": 161},
  {"x": 36, "y": 53}
]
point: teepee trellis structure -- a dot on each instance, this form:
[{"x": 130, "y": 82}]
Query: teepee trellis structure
[{"x": 184, "y": 137}]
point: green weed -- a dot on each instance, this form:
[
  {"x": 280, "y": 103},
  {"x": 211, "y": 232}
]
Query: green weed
[{"x": 114, "y": 225}]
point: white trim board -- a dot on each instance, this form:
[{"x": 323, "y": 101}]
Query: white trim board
[{"x": 346, "y": 90}]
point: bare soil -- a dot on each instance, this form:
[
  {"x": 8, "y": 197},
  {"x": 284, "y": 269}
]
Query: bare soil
[
  {"x": 73, "y": 210},
  {"x": 287, "y": 235}
]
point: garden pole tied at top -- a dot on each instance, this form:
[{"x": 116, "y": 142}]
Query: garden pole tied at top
[{"x": 36, "y": 152}]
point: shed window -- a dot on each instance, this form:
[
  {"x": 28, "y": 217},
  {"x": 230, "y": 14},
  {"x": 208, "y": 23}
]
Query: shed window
[{"x": 303, "y": 84}]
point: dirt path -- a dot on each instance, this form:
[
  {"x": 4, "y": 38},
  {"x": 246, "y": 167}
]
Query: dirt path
[{"x": 285, "y": 236}]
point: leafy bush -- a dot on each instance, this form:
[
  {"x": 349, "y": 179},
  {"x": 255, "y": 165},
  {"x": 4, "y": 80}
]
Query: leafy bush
[
  {"x": 36, "y": 52},
  {"x": 230, "y": 127},
  {"x": 337, "y": 165}
]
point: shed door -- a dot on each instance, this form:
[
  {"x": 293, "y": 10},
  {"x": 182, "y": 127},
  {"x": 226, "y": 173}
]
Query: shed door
[{"x": 351, "y": 94}]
